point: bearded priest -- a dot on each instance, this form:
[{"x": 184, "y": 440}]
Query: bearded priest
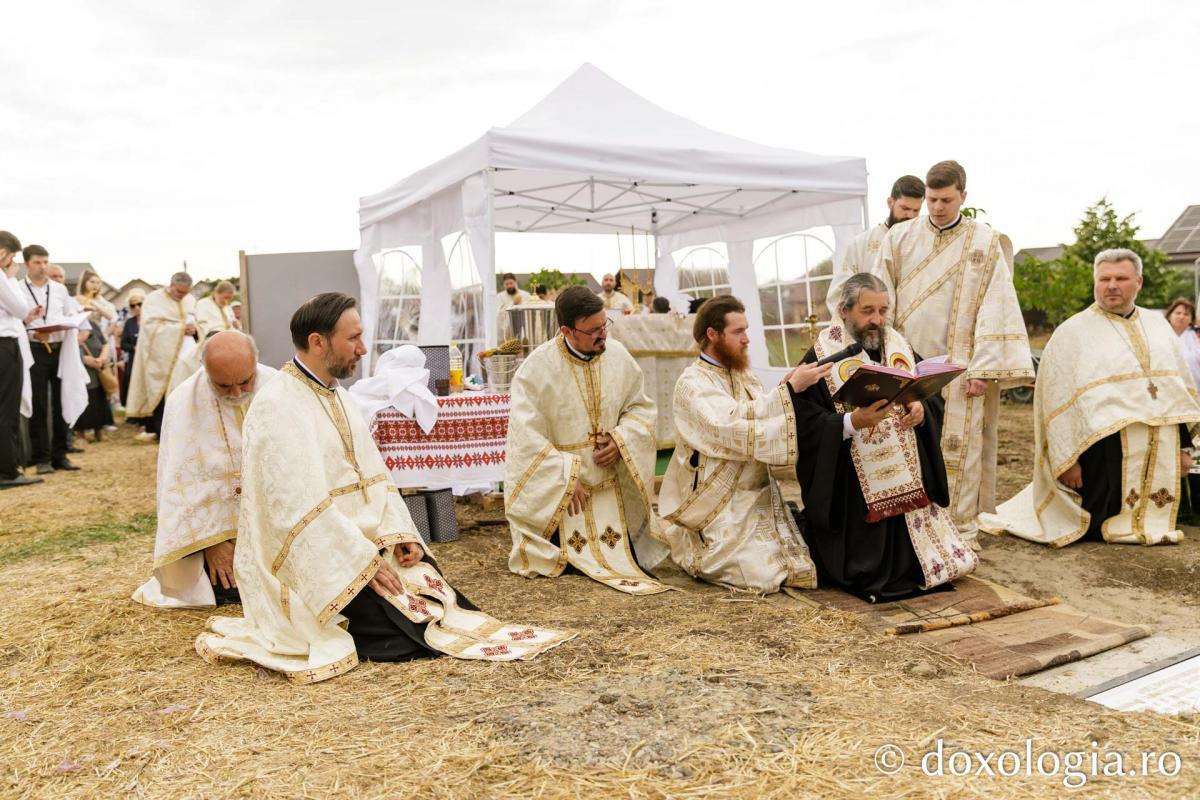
[
  {"x": 726, "y": 519},
  {"x": 580, "y": 456},
  {"x": 199, "y": 477},
  {"x": 328, "y": 563},
  {"x": 1111, "y": 417},
  {"x": 873, "y": 481},
  {"x": 862, "y": 254}
]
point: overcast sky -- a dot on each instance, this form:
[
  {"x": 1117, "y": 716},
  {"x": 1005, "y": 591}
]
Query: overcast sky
[{"x": 141, "y": 134}]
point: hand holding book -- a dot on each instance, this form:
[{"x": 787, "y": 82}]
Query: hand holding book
[{"x": 872, "y": 382}]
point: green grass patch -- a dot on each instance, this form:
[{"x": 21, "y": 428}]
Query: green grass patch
[{"x": 80, "y": 536}]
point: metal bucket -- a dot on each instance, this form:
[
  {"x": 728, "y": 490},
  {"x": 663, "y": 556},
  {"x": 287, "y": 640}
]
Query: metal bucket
[
  {"x": 532, "y": 323},
  {"x": 500, "y": 370}
]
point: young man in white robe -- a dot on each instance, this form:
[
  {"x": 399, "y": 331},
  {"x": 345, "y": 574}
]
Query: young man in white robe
[
  {"x": 167, "y": 319},
  {"x": 951, "y": 287},
  {"x": 724, "y": 517},
  {"x": 328, "y": 564},
  {"x": 580, "y": 456},
  {"x": 862, "y": 254},
  {"x": 213, "y": 312},
  {"x": 1113, "y": 413},
  {"x": 613, "y": 300},
  {"x": 199, "y": 477}
]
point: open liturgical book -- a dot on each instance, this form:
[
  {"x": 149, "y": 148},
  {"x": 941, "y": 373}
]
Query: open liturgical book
[{"x": 871, "y": 383}]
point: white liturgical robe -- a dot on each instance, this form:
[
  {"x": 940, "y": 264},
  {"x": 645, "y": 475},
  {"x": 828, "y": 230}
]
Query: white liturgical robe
[
  {"x": 725, "y": 519},
  {"x": 211, "y": 317},
  {"x": 560, "y": 403},
  {"x": 952, "y": 294},
  {"x": 1103, "y": 374},
  {"x": 160, "y": 343},
  {"x": 199, "y": 487},
  {"x": 319, "y": 514},
  {"x": 862, "y": 255}
]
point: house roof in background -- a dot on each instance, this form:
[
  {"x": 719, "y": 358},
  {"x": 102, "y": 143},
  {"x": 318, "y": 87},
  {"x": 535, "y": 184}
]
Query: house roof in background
[{"x": 1184, "y": 234}]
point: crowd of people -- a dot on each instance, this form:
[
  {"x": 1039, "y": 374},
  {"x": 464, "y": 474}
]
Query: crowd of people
[
  {"x": 68, "y": 362},
  {"x": 273, "y": 494}
]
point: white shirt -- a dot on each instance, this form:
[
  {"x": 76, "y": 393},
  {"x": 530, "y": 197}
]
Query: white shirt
[
  {"x": 13, "y": 307},
  {"x": 56, "y": 303}
]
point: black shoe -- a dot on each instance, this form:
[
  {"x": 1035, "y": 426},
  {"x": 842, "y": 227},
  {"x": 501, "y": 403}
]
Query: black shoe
[
  {"x": 74, "y": 449},
  {"x": 65, "y": 464},
  {"x": 20, "y": 480},
  {"x": 44, "y": 469}
]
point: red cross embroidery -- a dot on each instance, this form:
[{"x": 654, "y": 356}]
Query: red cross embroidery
[{"x": 498, "y": 650}]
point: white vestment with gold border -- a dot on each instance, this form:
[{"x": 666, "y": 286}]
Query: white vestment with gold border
[
  {"x": 952, "y": 294},
  {"x": 723, "y": 514},
  {"x": 1102, "y": 374},
  {"x": 199, "y": 487},
  {"x": 560, "y": 403}
]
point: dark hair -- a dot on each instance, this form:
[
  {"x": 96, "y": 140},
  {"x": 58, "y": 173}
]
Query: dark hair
[
  {"x": 1181, "y": 301},
  {"x": 661, "y": 305},
  {"x": 319, "y": 315},
  {"x": 507, "y": 276},
  {"x": 712, "y": 315},
  {"x": 541, "y": 289},
  {"x": 945, "y": 174},
  {"x": 9, "y": 242},
  {"x": 908, "y": 186},
  {"x": 32, "y": 251},
  {"x": 575, "y": 303}
]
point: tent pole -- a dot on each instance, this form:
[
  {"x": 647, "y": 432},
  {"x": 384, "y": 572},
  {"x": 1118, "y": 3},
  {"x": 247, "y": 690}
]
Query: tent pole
[{"x": 866, "y": 213}]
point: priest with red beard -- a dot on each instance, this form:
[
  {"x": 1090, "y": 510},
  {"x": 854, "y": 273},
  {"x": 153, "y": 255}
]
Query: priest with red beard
[
  {"x": 872, "y": 479},
  {"x": 724, "y": 518}
]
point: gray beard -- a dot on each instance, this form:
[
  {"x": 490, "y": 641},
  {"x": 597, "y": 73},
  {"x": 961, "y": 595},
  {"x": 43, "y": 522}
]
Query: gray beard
[
  {"x": 235, "y": 402},
  {"x": 870, "y": 340}
]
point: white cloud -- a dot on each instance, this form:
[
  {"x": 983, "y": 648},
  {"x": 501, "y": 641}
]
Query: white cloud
[{"x": 141, "y": 134}]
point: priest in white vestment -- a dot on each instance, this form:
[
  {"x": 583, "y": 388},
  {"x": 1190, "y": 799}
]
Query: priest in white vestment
[
  {"x": 862, "y": 254},
  {"x": 580, "y": 456},
  {"x": 613, "y": 299},
  {"x": 328, "y": 563},
  {"x": 213, "y": 313},
  {"x": 723, "y": 514},
  {"x": 1114, "y": 411},
  {"x": 199, "y": 477},
  {"x": 511, "y": 295},
  {"x": 951, "y": 287},
  {"x": 167, "y": 319}
]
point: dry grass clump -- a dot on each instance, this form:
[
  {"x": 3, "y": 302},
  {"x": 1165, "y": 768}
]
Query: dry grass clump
[{"x": 688, "y": 694}]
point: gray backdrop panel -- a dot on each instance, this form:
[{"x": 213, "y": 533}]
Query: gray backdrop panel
[{"x": 280, "y": 282}]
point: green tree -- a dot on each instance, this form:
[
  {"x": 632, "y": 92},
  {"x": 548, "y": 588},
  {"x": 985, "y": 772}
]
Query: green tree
[
  {"x": 1063, "y": 286},
  {"x": 552, "y": 279}
]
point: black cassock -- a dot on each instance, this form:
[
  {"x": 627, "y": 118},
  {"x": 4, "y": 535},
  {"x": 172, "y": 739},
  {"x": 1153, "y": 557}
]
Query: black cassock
[
  {"x": 1100, "y": 466},
  {"x": 874, "y": 560},
  {"x": 382, "y": 633}
]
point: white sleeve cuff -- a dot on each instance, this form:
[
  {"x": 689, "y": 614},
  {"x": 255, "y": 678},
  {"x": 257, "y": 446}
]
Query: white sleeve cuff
[{"x": 847, "y": 427}]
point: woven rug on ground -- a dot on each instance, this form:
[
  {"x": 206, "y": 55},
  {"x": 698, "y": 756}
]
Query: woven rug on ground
[
  {"x": 1031, "y": 641},
  {"x": 972, "y": 600}
]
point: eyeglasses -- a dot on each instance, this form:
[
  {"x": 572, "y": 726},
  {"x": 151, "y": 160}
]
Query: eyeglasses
[
  {"x": 135, "y": 305},
  {"x": 608, "y": 323}
]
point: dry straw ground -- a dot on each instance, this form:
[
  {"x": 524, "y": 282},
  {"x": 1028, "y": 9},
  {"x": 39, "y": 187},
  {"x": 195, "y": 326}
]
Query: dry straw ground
[{"x": 693, "y": 694}]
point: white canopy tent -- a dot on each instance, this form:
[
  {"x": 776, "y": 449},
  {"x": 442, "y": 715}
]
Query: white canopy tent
[{"x": 594, "y": 157}]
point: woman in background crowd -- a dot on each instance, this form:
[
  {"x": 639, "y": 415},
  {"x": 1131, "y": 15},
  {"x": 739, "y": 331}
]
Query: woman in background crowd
[
  {"x": 1182, "y": 315},
  {"x": 102, "y": 315},
  {"x": 97, "y": 357},
  {"x": 129, "y": 338}
]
